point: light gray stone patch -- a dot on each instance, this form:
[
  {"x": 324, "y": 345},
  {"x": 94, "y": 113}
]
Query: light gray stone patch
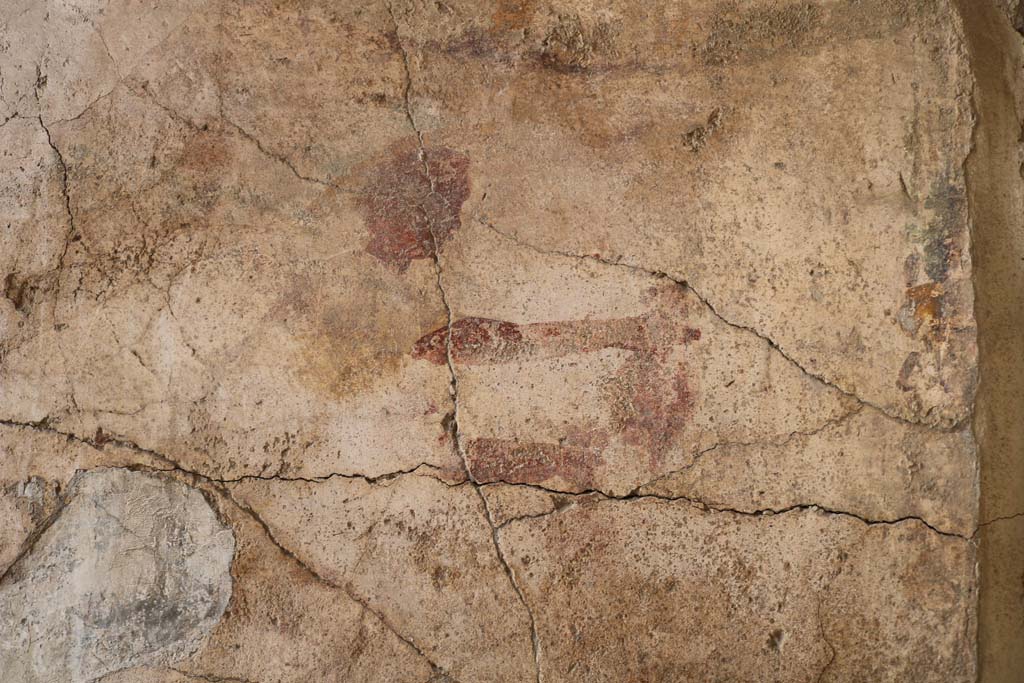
[{"x": 134, "y": 570}]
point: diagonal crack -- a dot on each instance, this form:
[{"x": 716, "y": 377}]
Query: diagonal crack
[
  {"x": 278, "y": 158},
  {"x": 120, "y": 77},
  {"x": 996, "y": 520},
  {"x": 534, "y": 635},
  {"x": 619, "y": 263},
  {"x": 827, "y": 424},
  {"x": 63, "y": 498},
  {"x": 346, "y": 589},
  {"x": 248, "y": 510}
]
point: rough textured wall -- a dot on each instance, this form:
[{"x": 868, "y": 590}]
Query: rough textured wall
[{"x": 492, "y": 341}]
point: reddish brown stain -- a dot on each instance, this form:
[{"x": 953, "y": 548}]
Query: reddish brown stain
[
  {"x": 412, "y": 204},
  {"x": 470, "y": 338},
  {"x": 649, "y": 396},
  {"x": 512, "y": 15},
  {"x": 482, "y": 340},
  {"x": 651, "y": 404},
  {"x": 527, "y": 462}
]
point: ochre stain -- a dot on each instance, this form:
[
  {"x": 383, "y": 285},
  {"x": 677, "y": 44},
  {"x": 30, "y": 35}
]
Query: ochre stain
[
  {"x": 412, "y": 202},
  {"x": 347, "y": 347},
  {"x": 927, "y": 302},
  {"x": 512, "y": 15}
]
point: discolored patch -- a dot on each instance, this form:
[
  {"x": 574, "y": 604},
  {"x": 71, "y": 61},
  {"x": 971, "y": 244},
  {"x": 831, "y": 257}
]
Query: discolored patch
[
  {"x": 911, "y": 364},
  {"x": 412, "y": 202},
  {"x": 512, "y": 15},
  {"x": 342, "y": 360},
  {"x": 570, "y": 46},
  {"x": 760, "y": 32},
  {"x": 350, "y": 346},
  {"x": 698, "y": 136},
  {"x": 930, "y": 305},
  {"x": 926, "y": 301},
  {"x": 20, "y": 291}
]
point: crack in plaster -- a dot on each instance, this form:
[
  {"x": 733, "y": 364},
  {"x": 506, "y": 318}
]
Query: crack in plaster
[
  {"x": 72, "y": 229},
  {"x": 256, "y": 142},
  {"x": 172, "y": 465},
  {"x": 619, "y": 263},
  {"x": 704, "y": 505},
  {"x": 825, "y": 639},
  {"x": 454, "y": 380},
  {"x": 210, "y": 677},
  {"x": 120, "y": 77},
  {"x": 792, "y": 436},
  {"x": 346, "y": 589}
]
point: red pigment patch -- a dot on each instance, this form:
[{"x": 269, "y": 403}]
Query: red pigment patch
[
  {"x": 651, "y": 400},
  {"x": 528, "y": 462},
  {"x": 412, "y": 204},
  {"x": 482, "y": 340},
  {"x": 472, "y": 339},
  {"x": 651, "y": 405}
]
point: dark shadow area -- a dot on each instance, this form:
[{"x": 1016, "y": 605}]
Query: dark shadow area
[{"x": 996, "y": 195}]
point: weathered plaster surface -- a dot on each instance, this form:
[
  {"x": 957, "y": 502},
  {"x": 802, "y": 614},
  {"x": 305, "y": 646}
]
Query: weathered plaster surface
[{"x": 509, "y": 341}]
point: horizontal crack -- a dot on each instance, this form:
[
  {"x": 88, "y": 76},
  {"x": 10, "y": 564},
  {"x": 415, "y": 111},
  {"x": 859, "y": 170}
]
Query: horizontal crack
[
  {"x": 633, "y": 495},
  {"x": 699, "y": 455},
  {"x": 210, "y": 677},
  {"x": 175, "y": 466},
  {"x": 597, "y": 494}
]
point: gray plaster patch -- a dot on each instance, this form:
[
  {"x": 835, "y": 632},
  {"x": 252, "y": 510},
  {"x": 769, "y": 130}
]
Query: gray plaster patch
[{"x": 134, "y": 571}]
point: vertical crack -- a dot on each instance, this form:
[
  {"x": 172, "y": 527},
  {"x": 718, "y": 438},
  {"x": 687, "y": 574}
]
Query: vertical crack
[
  {"x": 453, "y": 388},
  {"x": 534, "y": 635},
  {"x": 72, "y": 230},
  {"x": 69, "y": 237}
]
